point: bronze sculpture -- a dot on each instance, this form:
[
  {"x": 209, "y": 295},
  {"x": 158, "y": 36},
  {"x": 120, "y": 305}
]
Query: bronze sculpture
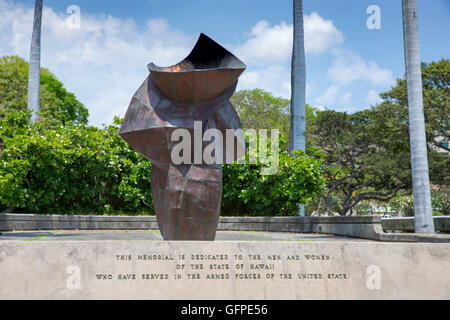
[{"x": 187, "y": 196}]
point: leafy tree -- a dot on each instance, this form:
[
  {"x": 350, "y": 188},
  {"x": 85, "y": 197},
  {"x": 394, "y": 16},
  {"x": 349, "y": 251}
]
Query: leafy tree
[
  {"x": 356, "y": 168},
  {"x": 259, "y": 109},
  {"x": 57, "y": 105},
  {"x": 439, "y": 163},
  {"x": 436, "y": 100},
  {"x": 391, "y": 120}
]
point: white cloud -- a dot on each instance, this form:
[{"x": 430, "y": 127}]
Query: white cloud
[
  {"x": 104, "y": 62},
  {"x": 329, "y": 96},
  {"x": 274, "y": 43},
  {"x": 272, "y": 46},
  {"x": 276, "y": 79},
  {"x": 267, "y": 43},
  {"x": 346, "y": 99},
  {"x": 373, "y": 97},
  {"x": 349, "y": 67},
  {"x": 320, "y": 34},
  {"x": 334, "y": 96}
]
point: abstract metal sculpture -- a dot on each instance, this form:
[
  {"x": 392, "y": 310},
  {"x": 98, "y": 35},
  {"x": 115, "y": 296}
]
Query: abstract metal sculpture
[{"x": 187, "y": 196}]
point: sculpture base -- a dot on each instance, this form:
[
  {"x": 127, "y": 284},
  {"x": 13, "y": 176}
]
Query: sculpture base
[{"x": 187, "y": 200}]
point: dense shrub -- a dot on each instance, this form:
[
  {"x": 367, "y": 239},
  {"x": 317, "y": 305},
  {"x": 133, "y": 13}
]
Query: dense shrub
[
  {"x": 440, "y": 202},
  {"x": 247, "y": 192},
  {"x": 82, "y": 169},
  {"x": 71, "y": 169}
]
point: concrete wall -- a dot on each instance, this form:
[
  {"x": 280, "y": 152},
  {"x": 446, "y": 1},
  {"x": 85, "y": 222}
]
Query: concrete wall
[
  {"x": 274, "y": 224},
  {"x": 80, "y": 270},
  {"x": 441, "y": 224},
  {"x": 69, "y": 222},
  {"x": 367, "y": 227}
]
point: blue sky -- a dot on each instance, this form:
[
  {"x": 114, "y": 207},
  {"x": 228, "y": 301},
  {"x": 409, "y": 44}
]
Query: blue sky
[{"x": 104, "y": 61}]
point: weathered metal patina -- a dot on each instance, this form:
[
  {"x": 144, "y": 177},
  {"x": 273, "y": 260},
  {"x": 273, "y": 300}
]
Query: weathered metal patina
[{"x": 187, "y": 197}]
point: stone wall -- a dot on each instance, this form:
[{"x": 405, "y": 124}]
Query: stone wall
[
  {"x": 367, "y": 227},
  {"x": 243, "y": 270},
  {"x": 441, "y": 224}
]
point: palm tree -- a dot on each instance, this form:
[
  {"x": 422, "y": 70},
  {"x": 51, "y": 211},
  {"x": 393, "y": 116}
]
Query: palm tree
[
  {"x": 298, "y": 86},
  {"x": 34, "y": 76},
  {"x": 419, "y": 161}
]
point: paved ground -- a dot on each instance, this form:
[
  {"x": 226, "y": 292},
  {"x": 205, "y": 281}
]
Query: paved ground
[{"x": 99, "y": 235}]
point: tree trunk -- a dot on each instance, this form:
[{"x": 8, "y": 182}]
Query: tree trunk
[
  {"x": 34, "y": 76},
  {"x": 419, "y": 161},
  {"x": 298, "y": 86},
  {"x": 328, "y": 203}
]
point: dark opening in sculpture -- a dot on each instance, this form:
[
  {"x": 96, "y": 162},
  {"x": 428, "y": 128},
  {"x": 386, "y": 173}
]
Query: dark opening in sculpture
[{"x": 187, "y": 197}]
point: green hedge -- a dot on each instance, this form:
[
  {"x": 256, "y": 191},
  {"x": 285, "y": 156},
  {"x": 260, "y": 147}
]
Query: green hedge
[
  {"x": 246, "y": 192},
  {"x": 79, "y": 169},
  {"x": 71, "y": 169}
]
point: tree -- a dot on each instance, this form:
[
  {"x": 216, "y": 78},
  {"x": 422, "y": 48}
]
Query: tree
[
  {"x": 392, "y": 120},
  {"x": 57, "y": 105},
  {"x": 298, "y": 86},
  {"x": 35, "y": 63},
  {"x": 436, "y": 104},
  {"x": 355, "y": 166},
  {"x": 419, "y": 161},
  {"x": 259, "y": 109}
]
